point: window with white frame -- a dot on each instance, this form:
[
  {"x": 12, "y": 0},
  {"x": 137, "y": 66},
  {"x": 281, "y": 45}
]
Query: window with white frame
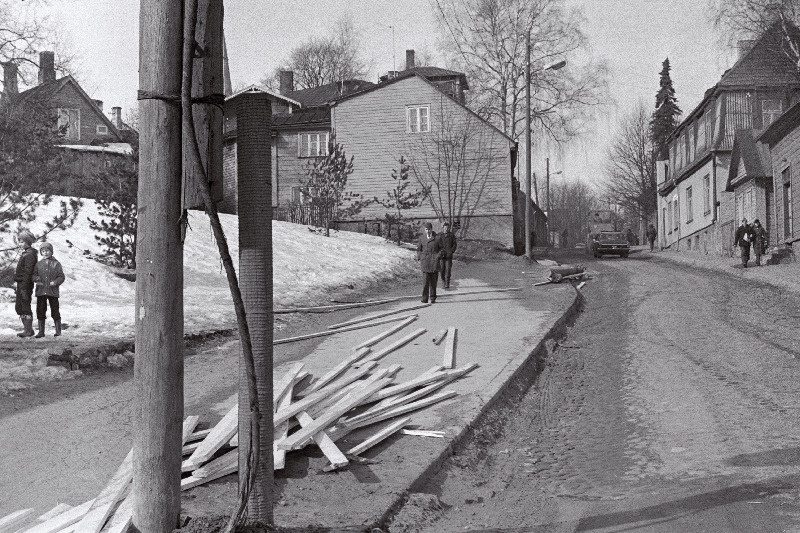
[
  {"x": 706, "y": 194},
  {"x": 677, "y": 217},
  {"x": 313, "y": 144},
  {"x": 689, "y": 215},
  {"x": 69, "y": 123},
  {"x": 102, "y": 130},
  {"x": 701, "y": 133},
  {"x": 670, "y": 210},
  {"x": 418, "y": 119},
  {"x": 770, "y": 111}
]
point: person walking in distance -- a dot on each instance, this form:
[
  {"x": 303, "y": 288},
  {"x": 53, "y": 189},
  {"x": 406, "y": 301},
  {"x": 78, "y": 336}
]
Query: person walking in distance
[
  {"x": 651, "y": 236},
  {"x": 48, "y": 277},
  {"x": 449, "y": 245},
  {"x": 743, "y": 238},
  {"x": 23, "y": 275},
  {"x": 759, "y": 240},
  {"x": 429, "y": 250}
]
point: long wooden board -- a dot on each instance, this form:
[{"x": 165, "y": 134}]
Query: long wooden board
[
  {"x": 219, "y": 463},
  {"x": 379, "y": 436},
  {"x": 193, "y": 481},
  {"x": 96, "y": 516},
  {"x": 340, "y": 330},
  {"x": 12, "y": 522},
  {"x": 62, "y": 521},
  {"x": 439, "y": 337},
  {"x": 391, "y": 331},
  {"x": 285, "y": 383},
  {"x": 377, "y": 315},
  {"x": 281, "y": 430},
  {"x": 218, "y": 437},
  {"x": 335, "y": 307},
  {"x": 122, "y": 518},
  {"x": 334, "y": 372},
  {"x": 383, "y": 352},
  {"x": 55, "y": 511},
  {"x": 328, "y": 447},
  {"x": 449, "y": 359},
  {"x": 463, "y": 293}
]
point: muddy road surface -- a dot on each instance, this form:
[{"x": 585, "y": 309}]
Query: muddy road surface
[{"x": 671, "y": 406}]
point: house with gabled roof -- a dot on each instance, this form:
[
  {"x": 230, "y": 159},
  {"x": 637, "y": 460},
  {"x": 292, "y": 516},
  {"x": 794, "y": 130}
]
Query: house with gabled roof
[
  {"x": 696, "y": 211},
  {"x": 412, "y": 114},
  {"x": 750, "y": 180}
]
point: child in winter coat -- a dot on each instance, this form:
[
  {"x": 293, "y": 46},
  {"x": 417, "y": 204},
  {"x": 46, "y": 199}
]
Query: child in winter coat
[{"x": 48, "y": 276}]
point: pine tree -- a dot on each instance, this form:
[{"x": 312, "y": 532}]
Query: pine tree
[
  {"x": 400, "y": 199},
  {"x": 665, "y": 117}
]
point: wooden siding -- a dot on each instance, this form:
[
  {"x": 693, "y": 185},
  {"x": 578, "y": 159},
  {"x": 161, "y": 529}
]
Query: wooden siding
[
  {"x": 69, "y": 98},
  {"x": 372, "y": 128},
  {"x": 290, "y": 168},
  {"x": 786, "y": 154}
]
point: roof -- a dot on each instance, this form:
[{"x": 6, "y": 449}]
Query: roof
[
  {"x": 324, "y": 94},
  {"x": 436, "y": 73},
  {"x": 303, "y": 118},
  {"x": 784, "y": 125},
  {"x": 259, "y": 89},
  {"x": 753, "y": 155}
]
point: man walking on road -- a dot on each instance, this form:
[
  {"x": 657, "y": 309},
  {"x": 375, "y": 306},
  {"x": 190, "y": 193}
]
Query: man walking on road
[
  {"x": 429, "y": 250},
  {"x": 651, "y": 236},
  {"x": 743, "y": 238},
  {"x": 759, "y": 240},
  {"x": 449, "y": 245}
]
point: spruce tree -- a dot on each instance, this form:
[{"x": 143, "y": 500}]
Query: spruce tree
[{"x": 665, "y": 117}]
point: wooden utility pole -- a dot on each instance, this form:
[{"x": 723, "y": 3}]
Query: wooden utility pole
[
  {"x": 547, "y": 167},
  {"x": 528, "y": 252},
  {"x": 253, "y": 165},
  {"x": 158, "y": 370}
]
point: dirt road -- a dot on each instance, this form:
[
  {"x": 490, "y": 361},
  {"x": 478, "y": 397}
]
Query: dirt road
[{"x": 671, "y": 406}]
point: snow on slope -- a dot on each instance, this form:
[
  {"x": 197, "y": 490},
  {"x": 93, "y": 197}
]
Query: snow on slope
[{"x": 306, "y": 268}]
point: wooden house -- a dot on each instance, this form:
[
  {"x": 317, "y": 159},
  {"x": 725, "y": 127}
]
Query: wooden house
[{"x": 696, "y": 211}]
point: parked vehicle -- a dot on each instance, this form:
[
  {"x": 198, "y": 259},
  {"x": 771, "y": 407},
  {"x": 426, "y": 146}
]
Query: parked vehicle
[{"x": 603, "y": 237}]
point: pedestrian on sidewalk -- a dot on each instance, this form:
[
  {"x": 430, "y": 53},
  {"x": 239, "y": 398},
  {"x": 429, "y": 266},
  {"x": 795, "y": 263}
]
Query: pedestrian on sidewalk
[
  {"x": 743, "y": 238},
  {"x": 449, "y": 245},
  {"x": 429, "y": 250},
  {"x": 48, "y": 277},
  {"x": 651, "y": 236},
  {"x": 23, "y": 275},
  {"x": 759, "y": 240},
  {"x": 630, "y": 237}
]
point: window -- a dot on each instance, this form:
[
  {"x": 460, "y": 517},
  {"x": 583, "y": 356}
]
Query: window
[
  {"x": 770, "y": 111},
  {"x": 298, "y": 197},
  {"x": 107, "y": 163},
  {"x": 706, "y": 194},
  {"x": 69, "y": 123},
  {"x": 418, "y": 119},
  {"x": 701, "y": 133},
  {"x": 690, "y": 157},
  {"x": 671, "y": 211},
  {"x": 681, "y": 151},
  {"x": 689, "y": 215},
  {"x": 677, "y": 216},
  {"x": 102, "y": 130},
  {"x": 314, "y": 144}
]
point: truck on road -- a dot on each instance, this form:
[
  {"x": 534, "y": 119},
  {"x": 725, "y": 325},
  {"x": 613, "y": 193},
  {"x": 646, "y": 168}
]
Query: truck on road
[{"x": 603, "y": 237}]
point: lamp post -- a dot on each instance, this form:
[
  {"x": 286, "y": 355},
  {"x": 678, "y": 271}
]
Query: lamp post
[
  {"x": 553, "y": 66},
  {"x": 547, "y": 220}
]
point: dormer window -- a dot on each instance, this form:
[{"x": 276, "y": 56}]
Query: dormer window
[
  {"x": 770, "y": 111},
  {"x": 418, "y": 119}
]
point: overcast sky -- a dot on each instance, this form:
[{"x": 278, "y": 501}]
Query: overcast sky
[{"x": 634, "y": 36}]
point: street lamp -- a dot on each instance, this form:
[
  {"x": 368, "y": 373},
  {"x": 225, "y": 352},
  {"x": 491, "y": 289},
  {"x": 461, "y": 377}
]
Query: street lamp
[{"x": 552, "y": 66}]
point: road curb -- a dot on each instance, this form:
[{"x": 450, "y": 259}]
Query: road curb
[{"x": 516, "y": 384}]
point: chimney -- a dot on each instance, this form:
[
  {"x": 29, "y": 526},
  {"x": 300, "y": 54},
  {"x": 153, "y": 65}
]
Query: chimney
[
  {"x": 47, "y": 67},
  {"x": 98, "y": 103},
  {"x": 286, "y": 81},
  {"x": 10, "y": 79},
  {"x": 744, "y": 46},
  {"x": 116, "y": 117},
  {"x": 409, "y": 59}
]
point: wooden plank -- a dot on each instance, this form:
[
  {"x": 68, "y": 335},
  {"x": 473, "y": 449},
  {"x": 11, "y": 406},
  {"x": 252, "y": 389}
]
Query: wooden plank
[
  {"x": 334, "y": 372},
  {"x": 580, "y": 285},
  {"x": 423, "y": 433},
  {"x": 193, "y": 481},
  {"x": 336, "y": 307},
  {"x": 198, "y": 435},
  {"x": 421, "y": 393},
  {"x": 11, "y": 522},
  {"x": 122, "y": 518},
  {"x": 302, "y": 405},
  {"x": 335, "y": 412},
  {"x": 281, "y": 430},
  {"x": 218, "y": 437},
  {"x": 464, "y": 293},
  {"x": 439, "y": 337},
  {"x": 392, "y": 347},
  {"x": 391, "y": 331},
  {"x": 219, "y": 463},
  {"x": 285, "y": 383},
  {"x": 449, "y": 360},
  {"x": 62, "y": 521},
  {"x": 93, "y": 520},
  {"x": 379, "y": 436},
  {"x": 191, "y": 447},
  {"x": 55, "y": 511},
  {"x": 317, "y": 408},
  {"x": 343, "y": 429},
  {"x": 328, "y": 447},
  {"x": 341, "y": 330},
  {"x": 376, "y": 316},
  {"x": 419, "y": 381}
]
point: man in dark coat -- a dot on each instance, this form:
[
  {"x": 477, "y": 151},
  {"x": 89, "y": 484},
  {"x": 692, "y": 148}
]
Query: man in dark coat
[
  {"x": 743, "y": 238},
  {"x": 449, "y": 245},
  {"x": 429, "y": 249},
  {"x": 651, "y": 236},
  {"x": 759, "y": 240},
  {"x": 23, "y": 275}
]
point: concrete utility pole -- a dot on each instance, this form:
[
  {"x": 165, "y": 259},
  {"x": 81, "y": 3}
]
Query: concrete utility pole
[
  {"x": 528, "y": 251},
  {"x": 158, "y": 370},
  {"x": 253, "y": 164}
]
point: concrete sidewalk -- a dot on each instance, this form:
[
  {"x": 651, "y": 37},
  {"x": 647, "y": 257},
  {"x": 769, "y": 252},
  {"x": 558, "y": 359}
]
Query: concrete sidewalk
[{"x": 503, "y": 332}]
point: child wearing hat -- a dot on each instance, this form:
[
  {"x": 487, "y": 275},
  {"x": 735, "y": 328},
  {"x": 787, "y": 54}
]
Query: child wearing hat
[
  {"x": 23, "y": 276},
  {"x": 48, "y": 277}
]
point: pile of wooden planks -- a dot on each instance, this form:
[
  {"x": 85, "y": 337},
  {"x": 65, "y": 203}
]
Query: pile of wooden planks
[{"x": 356, "y": 393}]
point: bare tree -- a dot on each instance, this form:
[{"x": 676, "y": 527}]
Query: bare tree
[
  {"x": 455, "y": 162},
  {"x": 748, "y": 19},
  {"x": 571, "y": 202},
  {"x": 630, "y": 172},
  {"x": 487, "y": 38}
]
